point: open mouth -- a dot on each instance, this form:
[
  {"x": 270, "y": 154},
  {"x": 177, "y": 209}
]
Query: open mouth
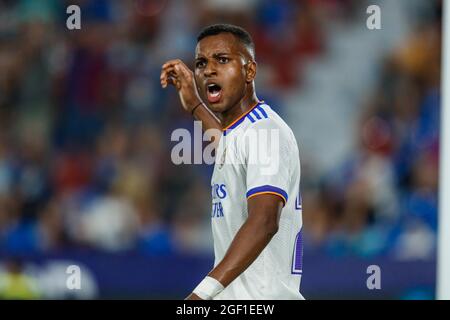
[{"x": 213, "y": 93}]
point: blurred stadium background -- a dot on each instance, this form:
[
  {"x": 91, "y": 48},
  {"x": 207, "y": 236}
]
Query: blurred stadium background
[{"x": 85, "y": 170}]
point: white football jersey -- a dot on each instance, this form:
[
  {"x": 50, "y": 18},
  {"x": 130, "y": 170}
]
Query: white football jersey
[{"x": 258, "y": 154}]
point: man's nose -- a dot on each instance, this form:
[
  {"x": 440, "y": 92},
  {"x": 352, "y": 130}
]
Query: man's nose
[{"x": 210, "y": 69}]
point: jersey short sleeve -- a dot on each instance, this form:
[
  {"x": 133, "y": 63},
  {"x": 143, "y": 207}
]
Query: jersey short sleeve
[{"x": 268, "y": 150}]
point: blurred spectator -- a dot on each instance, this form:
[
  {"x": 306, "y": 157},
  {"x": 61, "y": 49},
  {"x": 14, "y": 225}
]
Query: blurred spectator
[{"x": 14, "y": 284}]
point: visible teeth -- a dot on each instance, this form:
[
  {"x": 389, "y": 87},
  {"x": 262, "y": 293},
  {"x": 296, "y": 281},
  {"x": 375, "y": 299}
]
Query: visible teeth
[
  {"x": 213, "y": 87},
  {"x": 215, "y": 94}
]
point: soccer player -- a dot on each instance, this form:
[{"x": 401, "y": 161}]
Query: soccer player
[{"x": 256, "y": 212}]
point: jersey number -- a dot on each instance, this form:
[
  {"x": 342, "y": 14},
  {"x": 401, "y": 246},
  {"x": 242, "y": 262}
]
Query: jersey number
[{"x": 297, "y": 259}]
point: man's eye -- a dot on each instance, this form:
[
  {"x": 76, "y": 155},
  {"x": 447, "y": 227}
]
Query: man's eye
[
  {"x": 223, "y": 60},
  {"x": 200, "y": 64}
]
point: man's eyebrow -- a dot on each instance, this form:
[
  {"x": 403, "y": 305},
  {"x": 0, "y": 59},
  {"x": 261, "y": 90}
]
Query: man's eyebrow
[
  {"x": 222, "y": 54},
  {"x": 215, "y": 55}
]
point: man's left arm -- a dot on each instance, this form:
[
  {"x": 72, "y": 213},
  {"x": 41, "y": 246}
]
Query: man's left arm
[{"x": 261, "y": 225}]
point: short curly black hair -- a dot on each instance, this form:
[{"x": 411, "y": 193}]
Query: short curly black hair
[{"x": 243, "y": 36}]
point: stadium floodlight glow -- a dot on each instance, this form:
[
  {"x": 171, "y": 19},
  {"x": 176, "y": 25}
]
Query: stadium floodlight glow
[{"x": 443, "y": 259}]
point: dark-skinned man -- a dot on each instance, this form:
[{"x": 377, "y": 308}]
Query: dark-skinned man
[{"x": 256, "y": 204}]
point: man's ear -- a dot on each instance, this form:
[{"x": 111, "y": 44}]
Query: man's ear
[{"x": 251, "y": 71}]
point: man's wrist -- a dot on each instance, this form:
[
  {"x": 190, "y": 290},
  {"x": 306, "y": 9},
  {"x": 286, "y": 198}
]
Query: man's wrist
[
  {"x": 195, "y": 107},
  {"x": 208, "y": 288}
]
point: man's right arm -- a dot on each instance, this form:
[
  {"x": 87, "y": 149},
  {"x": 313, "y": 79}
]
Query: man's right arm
[{"x": 175, "y": 72}]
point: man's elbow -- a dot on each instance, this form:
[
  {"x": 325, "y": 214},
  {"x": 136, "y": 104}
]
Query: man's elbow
[
  {"x": 273, "y": 230},
  {"x": 270, "y": 228}
]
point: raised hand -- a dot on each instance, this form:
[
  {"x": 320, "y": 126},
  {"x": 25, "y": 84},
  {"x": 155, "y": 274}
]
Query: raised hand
[{"x": 176, "y": 73}]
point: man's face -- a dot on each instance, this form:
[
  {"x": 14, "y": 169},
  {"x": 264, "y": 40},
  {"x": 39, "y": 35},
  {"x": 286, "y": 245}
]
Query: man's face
[{"x": 220, "y": 71}]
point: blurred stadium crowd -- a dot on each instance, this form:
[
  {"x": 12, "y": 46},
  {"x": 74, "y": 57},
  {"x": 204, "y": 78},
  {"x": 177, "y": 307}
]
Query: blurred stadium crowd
[
  {"x": 382, "y": 200},
  {"x": 85, "y": 129}
]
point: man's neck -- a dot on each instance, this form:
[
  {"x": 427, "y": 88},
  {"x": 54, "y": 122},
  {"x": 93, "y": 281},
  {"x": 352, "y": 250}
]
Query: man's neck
[{"x": 245, "y": 104}]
